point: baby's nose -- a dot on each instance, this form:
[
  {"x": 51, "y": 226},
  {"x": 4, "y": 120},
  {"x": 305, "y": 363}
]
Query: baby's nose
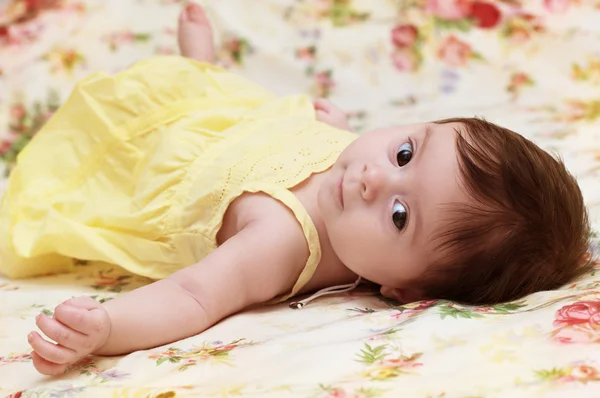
[{"x": 373, "y": 180}]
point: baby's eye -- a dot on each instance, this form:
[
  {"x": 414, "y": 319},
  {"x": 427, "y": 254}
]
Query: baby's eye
[
  {"x": 405, "y": 153},
  {"x": 399, "y": 215}
]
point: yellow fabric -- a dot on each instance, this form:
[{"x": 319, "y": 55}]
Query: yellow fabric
[{"x": 138, "y": 169}]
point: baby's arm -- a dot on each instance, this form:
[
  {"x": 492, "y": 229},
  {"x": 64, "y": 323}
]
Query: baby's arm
[
  {"x": 327, "y": 112},
  {"x": 255, "y": 265}
]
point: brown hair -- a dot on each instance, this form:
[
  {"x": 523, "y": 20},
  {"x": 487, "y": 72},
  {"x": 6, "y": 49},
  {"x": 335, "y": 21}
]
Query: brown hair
[{"x": 527, "y": 232}]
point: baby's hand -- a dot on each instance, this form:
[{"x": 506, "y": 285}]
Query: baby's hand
[
  {"x": 330, "y": 114},
  {"x": 80, "y": 326}
]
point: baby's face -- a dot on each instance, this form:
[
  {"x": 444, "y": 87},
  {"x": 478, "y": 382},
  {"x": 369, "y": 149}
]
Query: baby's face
[{"x": 385, "y": 196}]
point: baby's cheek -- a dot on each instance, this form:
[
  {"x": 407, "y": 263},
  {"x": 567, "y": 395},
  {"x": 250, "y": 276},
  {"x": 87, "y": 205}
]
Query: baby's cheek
[
  {"x": 342, "y": 160},
  {"x": 356, "y": 245}
]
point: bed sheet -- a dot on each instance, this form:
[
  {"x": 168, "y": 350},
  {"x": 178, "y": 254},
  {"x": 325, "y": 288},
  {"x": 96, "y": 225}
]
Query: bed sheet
[{"x": 533, "y": 66}]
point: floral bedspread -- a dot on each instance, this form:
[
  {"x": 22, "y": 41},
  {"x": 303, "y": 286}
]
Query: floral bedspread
[{"x": 531, "y": 65}]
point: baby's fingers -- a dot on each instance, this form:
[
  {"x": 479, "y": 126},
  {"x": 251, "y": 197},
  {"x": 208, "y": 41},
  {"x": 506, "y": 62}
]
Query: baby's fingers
[
  {"x": 51, "y": 352},
  {"x": 63, "y": 335},
  {"x": 45, "y": 367},
  {"x": 79, "y": 319},
  {"x": 321, "y": 104},
  {"x": 324, "y": 117},
  {"x": 85, "y": 302}
]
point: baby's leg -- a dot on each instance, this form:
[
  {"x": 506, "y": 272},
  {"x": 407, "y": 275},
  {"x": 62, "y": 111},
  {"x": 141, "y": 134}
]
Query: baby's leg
[{"x": 195, "y": 34}]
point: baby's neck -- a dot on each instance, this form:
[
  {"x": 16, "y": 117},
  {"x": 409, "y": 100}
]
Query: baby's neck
[{"x": 330, "y": 271}]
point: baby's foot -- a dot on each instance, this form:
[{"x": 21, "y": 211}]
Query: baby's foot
[{"x": 195, "y": 34}]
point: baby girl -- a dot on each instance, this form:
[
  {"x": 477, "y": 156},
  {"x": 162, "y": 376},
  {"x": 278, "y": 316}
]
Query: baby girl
[{"x": 228, "y": 196}]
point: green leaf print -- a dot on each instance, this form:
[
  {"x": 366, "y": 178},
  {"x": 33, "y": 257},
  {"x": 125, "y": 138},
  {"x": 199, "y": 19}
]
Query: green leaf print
[
  {"x": 362, "y": 392},
  {"x": 106, "y": 280},
  {"x": 102, "y": 300},
  {"x": 208, "y": 351},
  {"x": 362, "y": 310},
  {"x": 369, "y": 392},
  {"x": 325, "y": 387},
  {"x": 593, "y": 110},
  {"x": 551, "y": 374},
  {"x": 591, "y": 285},
  {"x": 389, "y": 368},
  {"x": 371, "y": 355},
  {"x": 160, "y": 361},
  {"x": 47, "y": 312},
  {"x": 142, "y": 36},
  {"x": 186, "y": 366},
  {"x": 463, "y": 25},
  {"x": 87, "y": 368},
  {"x": 25, "y": 123},
  {"x": 341, "y": 14},
  {"x": 390, "y": 331},
  {"x": 509, "y": 307},
  {"x": 477, "y": 56},
  {"x": 454, "y": 312}
]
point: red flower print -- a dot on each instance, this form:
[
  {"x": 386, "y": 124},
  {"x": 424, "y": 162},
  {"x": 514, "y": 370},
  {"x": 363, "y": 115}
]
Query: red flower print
[
  {"x": 485, "y": 14},
  {"x": 405, "y": 60},
  {"x": 578, "y": 323},
  {"x": 17, "y": 112},
  {"x": 449, "y": 9},
  {"x": 578, "y": 313},
  {"x": 556, "y": 6},
  {"x": 404, "y": 35},
  {"x": 455, "y": 52}
]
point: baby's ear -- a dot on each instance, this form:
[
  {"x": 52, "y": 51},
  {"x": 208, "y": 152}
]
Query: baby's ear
[{"x": 402, "y": 295}]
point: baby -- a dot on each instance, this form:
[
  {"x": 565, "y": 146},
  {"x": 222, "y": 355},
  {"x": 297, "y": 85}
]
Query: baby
[{"x": 229, "y": 197}]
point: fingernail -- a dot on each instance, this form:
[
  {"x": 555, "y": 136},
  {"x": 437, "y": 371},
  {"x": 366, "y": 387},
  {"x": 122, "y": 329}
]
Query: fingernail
[
  {"x": 37, "y": 318},
  {"x": 30, "y": 337},
  {"x": 194, "y": 12}
]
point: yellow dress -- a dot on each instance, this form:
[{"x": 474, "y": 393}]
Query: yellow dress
[{"x": 138, "y": 169}]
